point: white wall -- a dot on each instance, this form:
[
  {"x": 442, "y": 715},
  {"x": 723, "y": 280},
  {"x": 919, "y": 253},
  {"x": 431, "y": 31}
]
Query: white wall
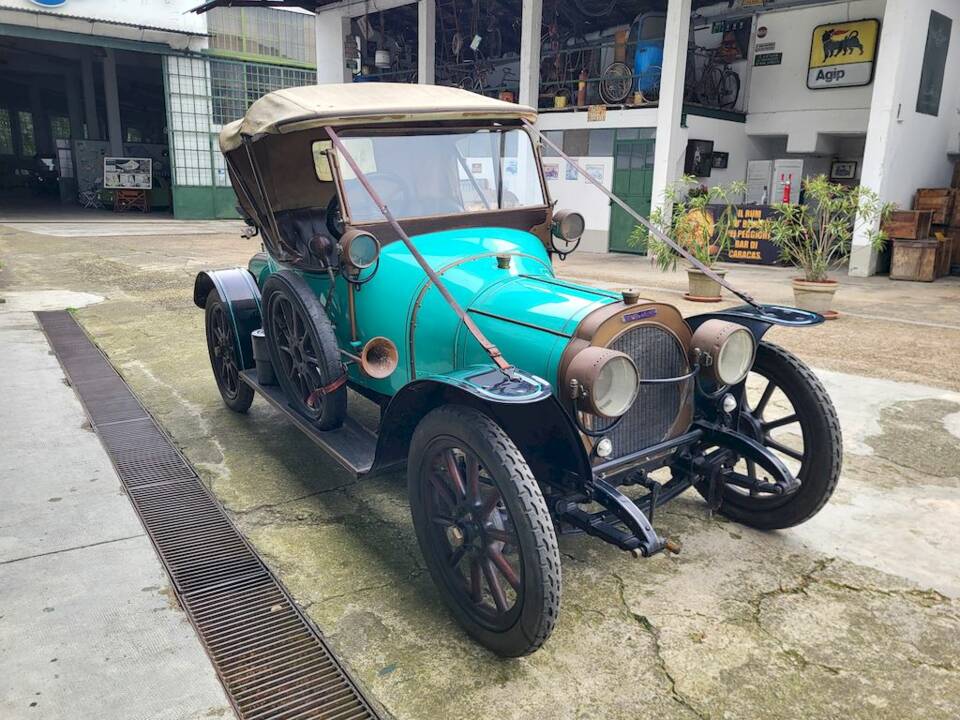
[
  {"x": 729, "y": 137},
  {"x": 780, "y": 102},
  {"x": 580, "y": 195},
  {"x": 905, "y": 149}
]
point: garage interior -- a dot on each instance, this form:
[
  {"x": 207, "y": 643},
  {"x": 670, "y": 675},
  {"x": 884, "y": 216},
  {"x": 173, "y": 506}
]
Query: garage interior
[{"x": 63, "y": 108}]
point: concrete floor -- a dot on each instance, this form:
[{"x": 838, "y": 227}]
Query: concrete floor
[
  {"x": 853, "y": 615},
  {"x": 89, "y": 627}
]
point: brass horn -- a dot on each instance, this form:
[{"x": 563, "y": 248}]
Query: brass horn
[{"x": 379, "y": 358}]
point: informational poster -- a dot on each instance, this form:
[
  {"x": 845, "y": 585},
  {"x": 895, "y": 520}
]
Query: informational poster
[
  {"x": 759, "y": 173},
  {"x": 127, "y": 173},
  {"x": 843, "y": 54},
  {"x": 787, "y": 171},
  {"x": 749, "y": 236},
  {"x": 934, "y": 63}
]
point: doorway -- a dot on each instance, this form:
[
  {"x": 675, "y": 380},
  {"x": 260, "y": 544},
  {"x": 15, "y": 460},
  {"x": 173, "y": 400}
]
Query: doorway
[{"x": 633, "y": 183}]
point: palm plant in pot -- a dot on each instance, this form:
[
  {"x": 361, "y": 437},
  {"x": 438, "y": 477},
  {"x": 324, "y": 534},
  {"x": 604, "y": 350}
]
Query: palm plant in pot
[
  {"x": 815, "y": 236},
  {"x": 699, "y": 218}
]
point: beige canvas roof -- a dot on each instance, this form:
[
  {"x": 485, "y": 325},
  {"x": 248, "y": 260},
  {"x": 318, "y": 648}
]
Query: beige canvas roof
[{"x": 300, "y": 108}]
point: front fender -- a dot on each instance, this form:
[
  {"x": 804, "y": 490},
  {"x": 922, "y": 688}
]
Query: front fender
[
  {"x": 239, "y": 292},
  {"x": 523, "y": 406},
  {"x": 759, "y": 321}
]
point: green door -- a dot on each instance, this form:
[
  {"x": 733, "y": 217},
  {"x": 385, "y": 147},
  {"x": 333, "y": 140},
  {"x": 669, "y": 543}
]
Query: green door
[{"x": 633, "y": 183}]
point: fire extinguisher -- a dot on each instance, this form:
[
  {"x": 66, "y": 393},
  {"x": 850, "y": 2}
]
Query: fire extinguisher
[{"x": 786, "y": 187}]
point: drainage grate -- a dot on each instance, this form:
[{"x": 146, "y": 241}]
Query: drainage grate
[{"x": 271, "y": 660}]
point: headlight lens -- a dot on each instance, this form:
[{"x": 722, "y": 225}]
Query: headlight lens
[
  {"x": 730, "y": 347},
  {"x": 360, "y": 249},
  {"x": 606, "y": 381}
]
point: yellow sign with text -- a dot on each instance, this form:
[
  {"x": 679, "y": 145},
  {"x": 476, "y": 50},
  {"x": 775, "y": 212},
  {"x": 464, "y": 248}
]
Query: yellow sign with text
[{"x": 842, "y": 54}]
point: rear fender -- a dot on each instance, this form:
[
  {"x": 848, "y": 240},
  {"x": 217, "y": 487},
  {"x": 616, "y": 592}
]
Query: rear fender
[
  {"x": 524, "y": 407},
  {"x": 239, "y": 292}
]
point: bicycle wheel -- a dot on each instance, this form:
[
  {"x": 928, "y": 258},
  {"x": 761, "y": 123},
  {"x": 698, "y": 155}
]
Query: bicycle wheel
[
  {"x": 616, "y": 82},
  {"x": 729, "y": 89},
  {"x": 708, "y": 93}
]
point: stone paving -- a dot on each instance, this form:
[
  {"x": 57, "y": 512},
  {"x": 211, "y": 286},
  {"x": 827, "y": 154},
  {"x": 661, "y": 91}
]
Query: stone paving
[{"x": 853, "y": 615}]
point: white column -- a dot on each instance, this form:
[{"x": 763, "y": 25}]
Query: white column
[
  {"x": 530, "y": 52},
  {"x": 426, "y": 41},
  {"x": 331, "y": 27},
  {"x": 89, "y": 98},
  {"x": 886, "y": 105},
  {"x": 670, "y": 146},
  {"x": 112, "y": 98}
]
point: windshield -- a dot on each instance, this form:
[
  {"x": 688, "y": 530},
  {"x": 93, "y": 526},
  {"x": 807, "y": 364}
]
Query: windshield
[{"x": 442, "y": 173}]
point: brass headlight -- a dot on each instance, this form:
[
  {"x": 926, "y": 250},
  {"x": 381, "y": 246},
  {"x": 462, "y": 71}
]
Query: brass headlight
[
  {"x": 358, "y": 250},
  {"x": 567, "y": 228},
  {"x": 604, "y": 381},
  {"x": 729, "y": 347}
]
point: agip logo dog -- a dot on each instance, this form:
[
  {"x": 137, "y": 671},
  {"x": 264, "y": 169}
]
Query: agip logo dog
[{"x": 842, "y": 54}]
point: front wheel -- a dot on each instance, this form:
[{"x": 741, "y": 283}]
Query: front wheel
[
  {"x": 787, "y": 409},
  {"x": 484, "y": 530}
]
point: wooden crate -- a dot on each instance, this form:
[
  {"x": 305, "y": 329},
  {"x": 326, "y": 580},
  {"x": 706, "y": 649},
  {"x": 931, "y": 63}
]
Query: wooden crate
[
  {"x": 955, "y": 216},
  {"x": 939, "y": 200},
  {"x": 909, "y": 224},
  {"x": 914, "y": 260},
  {"x": 952, "y": 237},
  {"x": 955, "y": 183},
  {"x": 944, "y": 249}
]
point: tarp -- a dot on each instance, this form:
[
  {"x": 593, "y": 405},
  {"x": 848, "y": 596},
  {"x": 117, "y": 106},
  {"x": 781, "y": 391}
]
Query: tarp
[{"x": 301, "y": 108}]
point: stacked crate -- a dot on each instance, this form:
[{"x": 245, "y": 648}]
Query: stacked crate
[
  {"x": 914, "y": 251},
  {"x": 944, "y": 205}
]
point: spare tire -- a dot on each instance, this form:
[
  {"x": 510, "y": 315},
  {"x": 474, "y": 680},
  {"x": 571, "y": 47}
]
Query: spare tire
[{"x": 304, "y": 350}]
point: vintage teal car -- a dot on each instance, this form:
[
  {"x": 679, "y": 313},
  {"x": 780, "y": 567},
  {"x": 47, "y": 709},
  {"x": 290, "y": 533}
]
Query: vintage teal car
[{"x": 409, "y": 242}]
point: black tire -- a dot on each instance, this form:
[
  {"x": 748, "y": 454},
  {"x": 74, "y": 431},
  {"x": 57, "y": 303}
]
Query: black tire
[
  {"x": 821, "y": 457},
  {"x": 517, "y": 523},
  {"x": 303, "y": 349},
  {"x": 224, "y": 355}
]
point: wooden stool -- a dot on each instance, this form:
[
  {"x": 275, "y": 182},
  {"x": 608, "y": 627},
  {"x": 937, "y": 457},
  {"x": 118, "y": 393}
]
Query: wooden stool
[{"x": 124, "y": 200}]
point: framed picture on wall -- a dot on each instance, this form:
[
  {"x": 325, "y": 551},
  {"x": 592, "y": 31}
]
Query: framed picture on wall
[
  {"x": 699, "y": 160},
  {"x": 720, "y": 160},
  {"x": 843, "y": 170}
]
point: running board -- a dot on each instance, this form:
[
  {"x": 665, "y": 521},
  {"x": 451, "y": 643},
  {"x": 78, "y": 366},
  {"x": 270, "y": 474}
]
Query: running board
[{"x": 352, "y": 445}]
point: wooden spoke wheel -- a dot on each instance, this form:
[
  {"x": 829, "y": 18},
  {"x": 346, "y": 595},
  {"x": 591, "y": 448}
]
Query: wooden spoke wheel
[
  {"x": 303, "y": 350},
  {"x": 787, "y": 409},
  {"x": 224, "y": 359},
  {"x": 484, "y": 530}
]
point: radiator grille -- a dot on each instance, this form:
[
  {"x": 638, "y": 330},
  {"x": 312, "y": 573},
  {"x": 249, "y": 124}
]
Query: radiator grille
[{"x": 657, "y": 354}]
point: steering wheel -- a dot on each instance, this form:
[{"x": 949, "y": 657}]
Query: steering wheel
[{"x": 392, "y": 189}]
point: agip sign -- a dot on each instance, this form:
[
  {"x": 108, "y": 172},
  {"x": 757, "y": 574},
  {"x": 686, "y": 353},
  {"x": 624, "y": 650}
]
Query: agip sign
[{"x": 843, "y": 54}]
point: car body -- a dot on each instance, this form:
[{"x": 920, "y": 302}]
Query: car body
[{"x": 409, "y": 249}]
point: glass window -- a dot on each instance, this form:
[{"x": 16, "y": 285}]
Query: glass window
[
  {"x": 601, "y": 143},
  {"x": 263, "y": 33},
  {"x": 455, "y": 172},
  {"x": 554, "y": 136},
  {"x": 28, "y": 142},
  {"x": 576, "y": 143},
  {"x": 6, "y": 133},
  {"x": 60, "y": 127}
]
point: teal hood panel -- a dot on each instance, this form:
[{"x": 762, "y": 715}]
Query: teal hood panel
[{"x": 531, "y": 319}]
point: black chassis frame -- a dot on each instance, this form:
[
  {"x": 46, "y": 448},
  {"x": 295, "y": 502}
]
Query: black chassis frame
[{"x": 547, "y": 435}]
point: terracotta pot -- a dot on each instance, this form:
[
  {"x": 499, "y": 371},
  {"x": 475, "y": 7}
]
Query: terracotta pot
[
  {"x": 816, "y": 296},
  {"x": 703, "y": 288}
]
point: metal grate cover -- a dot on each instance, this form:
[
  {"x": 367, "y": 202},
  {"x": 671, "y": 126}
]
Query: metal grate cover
[{"x": 271, "y": 660}]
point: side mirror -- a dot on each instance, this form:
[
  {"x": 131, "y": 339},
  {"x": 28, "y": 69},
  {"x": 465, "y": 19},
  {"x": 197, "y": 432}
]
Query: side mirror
[{"x": 567, "y": 229}]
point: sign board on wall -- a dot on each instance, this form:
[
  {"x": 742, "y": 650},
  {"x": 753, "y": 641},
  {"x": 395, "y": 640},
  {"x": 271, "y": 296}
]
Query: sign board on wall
[
  {"x": 749, "y": 235},
  {"x": 934, "y": 63},
  {"x": 843, "y": 54},
  {"x": 127, "y": 173}
]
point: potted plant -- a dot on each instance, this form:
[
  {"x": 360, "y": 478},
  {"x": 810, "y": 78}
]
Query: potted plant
[
  {"x": 699, "y": 219},
  {"x": 815, "y": 236}
]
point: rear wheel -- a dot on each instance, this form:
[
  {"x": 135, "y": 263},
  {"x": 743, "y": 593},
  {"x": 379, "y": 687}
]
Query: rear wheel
[
  {"x": 787, "y": 409},
  {"x": 224, "y": 357},
  {"x": 484, "y": 530},
  {"x": 303, "y": 350}
]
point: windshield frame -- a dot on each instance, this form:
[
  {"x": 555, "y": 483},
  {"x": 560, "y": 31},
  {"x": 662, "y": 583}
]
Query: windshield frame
[{"x": 458, "y": 128}]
